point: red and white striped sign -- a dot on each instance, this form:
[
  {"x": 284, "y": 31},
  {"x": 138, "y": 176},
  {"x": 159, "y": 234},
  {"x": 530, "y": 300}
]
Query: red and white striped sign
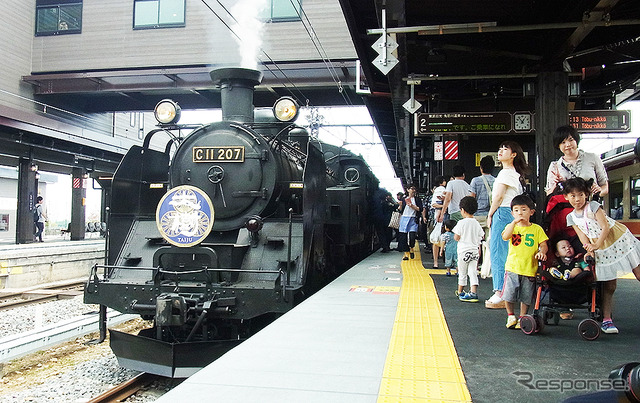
[
  {"x": 450, "y": 150},
  {"x": 77, "y": 183}
]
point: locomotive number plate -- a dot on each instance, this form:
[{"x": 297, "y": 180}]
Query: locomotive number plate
[{"x": 218, "y": 154}]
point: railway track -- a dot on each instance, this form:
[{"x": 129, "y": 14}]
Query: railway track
[
  {"x": 9, "y": 300},
  {"x": 126, "y": 389}
]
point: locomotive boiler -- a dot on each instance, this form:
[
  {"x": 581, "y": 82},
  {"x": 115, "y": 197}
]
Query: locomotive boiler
[{"x": 226, "y": 228}]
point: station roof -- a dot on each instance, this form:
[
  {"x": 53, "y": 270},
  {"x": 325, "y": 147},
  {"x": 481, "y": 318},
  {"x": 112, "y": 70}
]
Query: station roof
[
  {"x": 467, "y": 55},
  {"x": 476, "y": 55},
  {"x": 191, "y": 86}
]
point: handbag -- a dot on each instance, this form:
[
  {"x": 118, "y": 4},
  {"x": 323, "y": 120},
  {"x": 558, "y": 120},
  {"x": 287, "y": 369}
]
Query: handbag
[
  {"x": 395, "y": 220},
  {"x": 485, "y": 270},
  {"x": 434, "y": 237}
]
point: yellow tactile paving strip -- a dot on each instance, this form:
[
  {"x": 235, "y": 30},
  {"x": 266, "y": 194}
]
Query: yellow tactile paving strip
[{"x": 422, "y": 364}]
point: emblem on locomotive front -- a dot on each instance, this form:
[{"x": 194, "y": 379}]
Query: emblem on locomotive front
[{"x": 185, "y": 216}]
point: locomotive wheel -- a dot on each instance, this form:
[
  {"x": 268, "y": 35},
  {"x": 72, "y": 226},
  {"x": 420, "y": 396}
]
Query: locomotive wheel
[
  {"x": 589, "y": 329},
  {"x": 528, "y": 324}
]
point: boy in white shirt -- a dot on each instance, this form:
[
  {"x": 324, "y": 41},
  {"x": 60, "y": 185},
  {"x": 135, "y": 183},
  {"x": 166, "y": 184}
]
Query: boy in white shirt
[{"x": 469, "y": 233}]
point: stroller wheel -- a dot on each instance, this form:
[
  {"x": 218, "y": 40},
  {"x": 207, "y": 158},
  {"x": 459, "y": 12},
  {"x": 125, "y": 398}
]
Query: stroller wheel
[
  {"x": 528, "y": 324},
  {"x": 539, "y": 323},
  {"x": 589, "y": 329}
]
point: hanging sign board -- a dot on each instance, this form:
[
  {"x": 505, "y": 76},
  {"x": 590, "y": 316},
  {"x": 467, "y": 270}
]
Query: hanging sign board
[
  {"x": 467, "y": 122},
  {"x": 603, "y": 121}
]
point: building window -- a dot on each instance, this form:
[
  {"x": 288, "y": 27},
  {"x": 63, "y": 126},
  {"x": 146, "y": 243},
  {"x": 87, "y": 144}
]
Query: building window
[
  {"x": 56, "y": 17},
  {"x": 282, "y": 10},
  {"x": 158, "y": 13},
  {"x": 616, "y": 194}
]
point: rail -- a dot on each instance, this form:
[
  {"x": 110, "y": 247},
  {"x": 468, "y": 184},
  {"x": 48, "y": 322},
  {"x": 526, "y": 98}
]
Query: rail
[{"x": 126, "y": 389}]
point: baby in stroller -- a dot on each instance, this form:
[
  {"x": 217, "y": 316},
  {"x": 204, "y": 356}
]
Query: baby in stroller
[
  {"x": 566, "y": 284},
  {"x": 567, "y": 264}
]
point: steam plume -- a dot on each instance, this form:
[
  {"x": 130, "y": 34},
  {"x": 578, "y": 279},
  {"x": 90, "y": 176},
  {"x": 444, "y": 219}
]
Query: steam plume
[{"x": 249, "y": 29}]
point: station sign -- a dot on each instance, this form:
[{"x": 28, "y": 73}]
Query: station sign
[
  {"x": 466, "y": 122},
  {"x": 585, "y": 121},
  {"x": 601, "y": 121}
]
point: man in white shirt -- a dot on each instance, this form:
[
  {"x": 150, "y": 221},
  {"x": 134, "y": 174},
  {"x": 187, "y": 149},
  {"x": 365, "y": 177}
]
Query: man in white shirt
[{"x": 455, "y": 191}]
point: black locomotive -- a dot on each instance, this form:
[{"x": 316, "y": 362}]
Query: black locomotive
[{"x": 227, "y": 228}]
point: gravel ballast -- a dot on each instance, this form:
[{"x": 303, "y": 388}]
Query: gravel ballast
[{"x": 73, "y": 372}]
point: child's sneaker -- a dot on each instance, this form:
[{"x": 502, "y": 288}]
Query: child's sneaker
[
  {"x": 555, "y": 273},
  {"x": 608, "y": 327},
  {"x": 458, "y": 293},
  {"x": 468, "y": 297},
  {"x": 512, "y": 321},
  {"x": 517, "y": 326},
  {"x": 566, "y": 276}
]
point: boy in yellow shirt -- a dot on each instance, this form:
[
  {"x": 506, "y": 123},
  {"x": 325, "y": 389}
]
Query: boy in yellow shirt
[{"x": 527, "y": 245}]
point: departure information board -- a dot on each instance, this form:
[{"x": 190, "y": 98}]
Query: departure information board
[
  {"x": 467, "y": 122},
  {"x": 595, "y": 121},
  {"x": 602, "y": 121}
]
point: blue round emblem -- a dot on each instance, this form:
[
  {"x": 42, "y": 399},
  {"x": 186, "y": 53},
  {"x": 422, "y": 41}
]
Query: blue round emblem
[{"x": 185, "y": 216}]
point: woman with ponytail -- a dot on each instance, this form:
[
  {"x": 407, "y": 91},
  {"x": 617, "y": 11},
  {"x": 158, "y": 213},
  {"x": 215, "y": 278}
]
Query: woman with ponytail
[{"x": 508, "y": 184}]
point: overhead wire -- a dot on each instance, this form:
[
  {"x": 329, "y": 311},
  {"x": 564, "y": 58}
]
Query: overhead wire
[{"x": 322, "y": 53}]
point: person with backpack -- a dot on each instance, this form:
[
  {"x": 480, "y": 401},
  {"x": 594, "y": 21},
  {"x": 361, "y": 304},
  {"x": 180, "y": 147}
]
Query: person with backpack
[
  {"x": 39, "y": 218},
  {"x": 481, "y": 188}
]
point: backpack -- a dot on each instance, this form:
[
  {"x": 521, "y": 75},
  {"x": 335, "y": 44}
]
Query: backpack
[{"x": 36, "y": 215}]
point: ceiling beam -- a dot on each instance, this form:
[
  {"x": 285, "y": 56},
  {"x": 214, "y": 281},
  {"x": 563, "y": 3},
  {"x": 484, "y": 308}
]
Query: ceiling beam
[
  {"x": 591, "y": 19},
  {"x": 490, "y": 27}
]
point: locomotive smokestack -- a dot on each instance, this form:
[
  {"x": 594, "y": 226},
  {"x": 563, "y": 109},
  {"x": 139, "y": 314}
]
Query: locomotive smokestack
[{"x": 236, "y": 92}]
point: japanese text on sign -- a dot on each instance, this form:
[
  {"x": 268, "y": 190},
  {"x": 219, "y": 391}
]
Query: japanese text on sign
[{"x": 480, "y": 122}]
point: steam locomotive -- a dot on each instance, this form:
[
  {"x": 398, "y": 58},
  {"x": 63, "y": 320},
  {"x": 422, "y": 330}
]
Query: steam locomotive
[{"x": 226, "y": 228}]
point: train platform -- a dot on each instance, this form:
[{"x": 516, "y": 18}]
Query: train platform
[
  {"x": 390, "y": 330},
  {"x": 24, "y": 266}
]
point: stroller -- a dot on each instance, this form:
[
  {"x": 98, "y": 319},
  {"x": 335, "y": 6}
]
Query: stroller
[{"x": 580, "y": 292}]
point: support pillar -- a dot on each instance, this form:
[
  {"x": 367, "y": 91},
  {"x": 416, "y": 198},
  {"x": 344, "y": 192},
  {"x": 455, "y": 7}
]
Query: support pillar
[
  {"x": 552, "y": 111},
  {"x": 27, "y": 193},
  {"x": 78, "y": 197}
]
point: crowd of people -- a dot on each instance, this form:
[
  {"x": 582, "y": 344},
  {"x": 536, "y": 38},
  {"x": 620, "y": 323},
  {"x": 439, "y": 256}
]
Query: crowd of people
[{"x": 488, "y": 221}]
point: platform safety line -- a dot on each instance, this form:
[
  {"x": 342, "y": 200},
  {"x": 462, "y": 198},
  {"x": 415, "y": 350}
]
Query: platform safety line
[{"x": 422, "y": 363}]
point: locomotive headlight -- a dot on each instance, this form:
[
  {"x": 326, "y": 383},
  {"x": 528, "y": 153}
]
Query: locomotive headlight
[
  {"x": 254, "y": 224},
  {"x": 285, "y": 109},
  {"x": 167, "y": 112}
]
